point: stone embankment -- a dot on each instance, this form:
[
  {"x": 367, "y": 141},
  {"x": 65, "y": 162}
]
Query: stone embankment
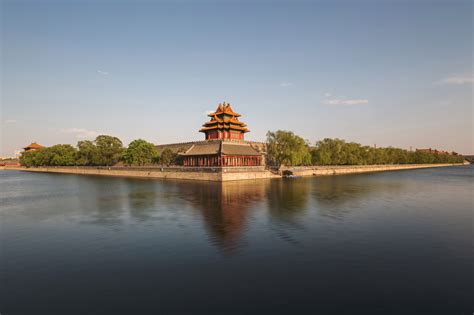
[
  {"x": 221, "y": 174},
  {"x": 187, "y": 173},
  {"x": 353, "y": 169}
]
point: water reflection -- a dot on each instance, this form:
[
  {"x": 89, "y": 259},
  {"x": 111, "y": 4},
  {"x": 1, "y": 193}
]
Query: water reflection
[
  {"x": 355, "y": 237},
  {"x": 288, "y": 199},
  {"x": 225, "y": 208},
  {"x": 337, "y": 196},
  {"x": 142, "y": 200},
  {"x": 103, "y": 200}
]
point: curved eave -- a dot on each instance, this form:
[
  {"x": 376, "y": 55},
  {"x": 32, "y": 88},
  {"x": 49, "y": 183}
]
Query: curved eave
[
  {"x": 243, "y": 130},
  {"x": 215, "y": 123},
  {"x": 224, "y": 112}
]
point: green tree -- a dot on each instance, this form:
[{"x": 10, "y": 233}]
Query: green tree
[
  {"x": 339, "y": 152},
  {"x": 87, "y": 153},
  {"x": 329, "y": 152},
  {"x": 286, "y": 148},
  {"x": 139, "y": 152},
  {"x": 27, "y": 158},
  {"x": 109, "y": 148},
  {"x": 57, "y": 155},
  {"x": 168, "y": 157},
  {"x": 61, "y": 155}
]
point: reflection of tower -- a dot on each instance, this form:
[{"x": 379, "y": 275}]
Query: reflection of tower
[{"x": 224, "y": 207}]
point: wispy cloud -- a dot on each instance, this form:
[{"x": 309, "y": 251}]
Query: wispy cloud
[
  {"x": 10, "y": 121},
  {"x": 81, "y": 133},
  {"x": 327, "y": 94},
  {"x": 458, "y": 80},
  {"x": 102, "y": 72},
  {"x": 286, "y": 84},
  {"x": 345, "y": 101}
]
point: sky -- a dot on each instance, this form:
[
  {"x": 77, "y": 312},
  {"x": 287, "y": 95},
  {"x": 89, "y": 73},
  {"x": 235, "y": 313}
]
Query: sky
[{"x": 385, "y": 73}]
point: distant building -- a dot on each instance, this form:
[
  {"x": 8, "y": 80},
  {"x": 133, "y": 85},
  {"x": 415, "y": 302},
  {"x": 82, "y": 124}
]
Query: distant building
[
  {"x": 224, "y": 144},
  {"x": 469, "y": 158},
  {"x": 33, "y": 146}
]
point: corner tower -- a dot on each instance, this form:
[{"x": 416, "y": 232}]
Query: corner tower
[{"x": 224, "y": 124}]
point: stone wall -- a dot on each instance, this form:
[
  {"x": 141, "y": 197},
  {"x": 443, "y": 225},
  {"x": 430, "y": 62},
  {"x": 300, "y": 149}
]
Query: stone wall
[
  {"x": 202, "y": 174},
  {"x": 353, "y": 169},
  {"x": 147, "y": 172},
  {"x": 221, "y": 174}
]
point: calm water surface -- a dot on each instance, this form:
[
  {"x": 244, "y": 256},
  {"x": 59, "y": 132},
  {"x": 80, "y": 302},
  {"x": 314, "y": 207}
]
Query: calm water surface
[{"x": 384, "y": 243}]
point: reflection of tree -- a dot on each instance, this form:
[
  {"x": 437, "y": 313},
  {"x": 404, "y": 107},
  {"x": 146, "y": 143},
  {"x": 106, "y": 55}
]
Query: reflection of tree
[
  {"x": 105, "y": 202},
  {"x": 287, "y": 198},
  {"x": 142, "y": 197},
  {"x": 338, "y": 195},
  {"x": 224, "y": 207}
]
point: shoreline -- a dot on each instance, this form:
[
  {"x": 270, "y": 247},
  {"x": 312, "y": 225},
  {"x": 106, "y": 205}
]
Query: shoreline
[{"x": 223, "y": 174}]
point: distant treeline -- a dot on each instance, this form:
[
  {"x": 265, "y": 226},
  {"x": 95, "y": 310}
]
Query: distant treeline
[
  {"x": 286, "y": 148},
  {"x": 283, "y": 148},
  {"x": 103, "y": 151}
]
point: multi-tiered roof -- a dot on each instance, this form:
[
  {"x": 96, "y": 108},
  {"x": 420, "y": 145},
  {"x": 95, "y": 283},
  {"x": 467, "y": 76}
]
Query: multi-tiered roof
[
  {"x": 223, "y": 122},
  {"x": 33, "y": 146}
]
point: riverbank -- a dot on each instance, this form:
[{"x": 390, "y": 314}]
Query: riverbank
[
  {"x": 221, "y": 174},
  {"x": 354, "y": 169}
]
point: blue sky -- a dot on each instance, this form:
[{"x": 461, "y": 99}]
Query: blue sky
[{"x": 396, "y": 73}]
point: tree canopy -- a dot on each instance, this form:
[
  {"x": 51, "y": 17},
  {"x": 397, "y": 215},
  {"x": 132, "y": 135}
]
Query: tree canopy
[
  {"x": 283, "y": 148},
  {"x": 168, "y": 157},
  {"x": 110, "y": 149},
  {"x": 105, "y": 150},
  {"x": 340, "y": 152},
  {"x": 57, "y": 155},
  {"x": 140, "y": 152},
  {"x": 286, "y": 148},
  {"x": 88, "y": 153}
]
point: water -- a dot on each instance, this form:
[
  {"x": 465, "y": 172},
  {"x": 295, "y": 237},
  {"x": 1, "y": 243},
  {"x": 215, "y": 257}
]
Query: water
[{"x": 384, "y": 243}]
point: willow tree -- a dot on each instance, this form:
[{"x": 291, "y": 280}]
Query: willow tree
[{"x": 286, "y": 148}]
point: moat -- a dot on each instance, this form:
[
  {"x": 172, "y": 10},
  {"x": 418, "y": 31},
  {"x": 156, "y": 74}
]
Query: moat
[{"x": 351, "y": 244}]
